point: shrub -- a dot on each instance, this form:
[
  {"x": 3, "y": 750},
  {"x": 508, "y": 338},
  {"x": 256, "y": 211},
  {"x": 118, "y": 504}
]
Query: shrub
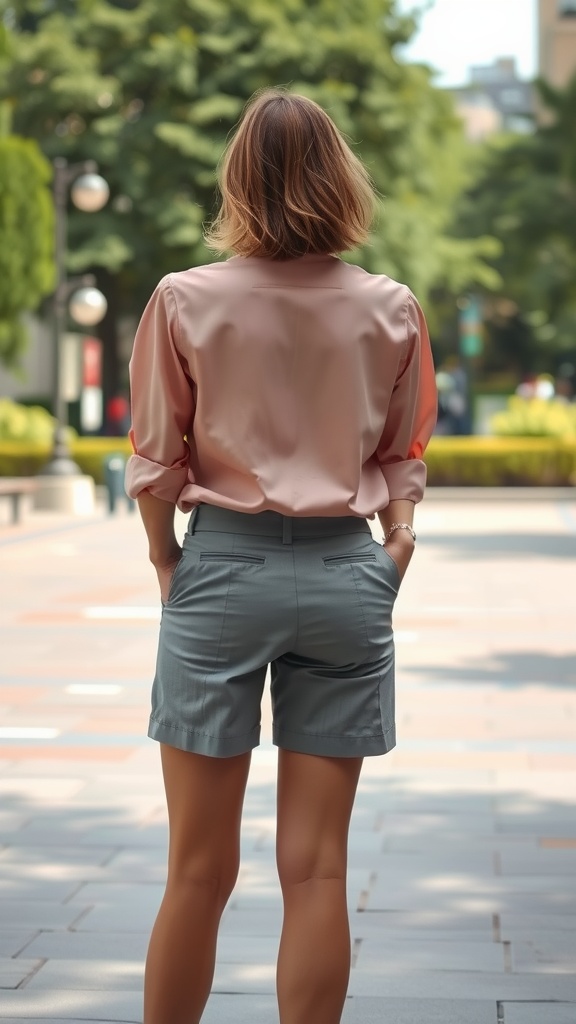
[
  {"x": 29, "y": 424},
  {"x": 535, "y": 417},
  {"x": 501, "y": 461},
  {"x": 26, "y": 459},
  {"x": 451, "y": 461}
]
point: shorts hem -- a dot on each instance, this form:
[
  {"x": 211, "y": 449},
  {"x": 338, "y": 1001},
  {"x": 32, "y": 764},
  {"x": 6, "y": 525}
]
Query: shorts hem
[
  {"x": 336, "y": 746},
  {"x": 202, "y": 743}
]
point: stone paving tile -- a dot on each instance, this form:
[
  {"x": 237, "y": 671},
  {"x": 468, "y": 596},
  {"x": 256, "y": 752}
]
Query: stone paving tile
[
  {"x": 429, "y": 954},
  {"x": 460, "y": 985},
  {"x": 16, "y": 886},
  {"x": 234, "y": 1009},
  {"x": 78, "y": 860},
  {"x": 544, "y": 953},
  {"x": 118, "y": 893},
  {"x": 14, "y": 972},
  {"x": 425, "y": 823},
  {"x": 11, "y": 821},
  {"x": 442, "y": 918},
  {"x": 539, "y": 861},
  {"x": 408, "y": 802},
  {"x": 43, "y": 834},
  {"x": 485, "y": 897},
  {"x": 434, "y": 860},
  {"x": 79, "y": 945},
  {"x": 135, "y": 917},
  {"x": 526, "y": 923},
  {"x": 38, "y": 914},
  {"x": 371, "y": 1010},
  {"x": 537, "y": 824},
  {"x": 257, "y": 922},
  {"x": 556, "y": 885},
  {"x": 539, "y": 1013},
  {"x": 456, "y": 840},
  {"x": 413, "y": 938},
  {"x": 73, "y": 1005},
  {"x": 14, "y": 940},
  {"x": 108, "y": 975}
]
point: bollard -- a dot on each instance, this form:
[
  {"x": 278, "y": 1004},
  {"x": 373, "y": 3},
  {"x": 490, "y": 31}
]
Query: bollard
[{"x": 114, "y": 468}]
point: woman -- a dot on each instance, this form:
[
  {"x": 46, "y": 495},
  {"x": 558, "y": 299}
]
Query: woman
[{"x": 283, "y": 396}]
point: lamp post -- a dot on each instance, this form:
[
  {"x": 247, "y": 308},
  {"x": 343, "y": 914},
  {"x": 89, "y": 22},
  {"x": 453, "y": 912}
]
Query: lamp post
[{"x": 90, "y": 193}]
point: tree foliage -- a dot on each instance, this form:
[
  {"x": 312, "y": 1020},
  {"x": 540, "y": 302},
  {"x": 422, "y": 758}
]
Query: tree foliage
[
  {"x": 152, "y": 90},
  {"x": 525, "y": 197},
  {"x": 26, "y": 229}
]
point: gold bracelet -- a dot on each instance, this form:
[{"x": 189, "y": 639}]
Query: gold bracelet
[{"x": 399, "y": 526}]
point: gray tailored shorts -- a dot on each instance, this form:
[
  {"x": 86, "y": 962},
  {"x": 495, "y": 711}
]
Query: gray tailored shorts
[{"x": 312, "y": 598}]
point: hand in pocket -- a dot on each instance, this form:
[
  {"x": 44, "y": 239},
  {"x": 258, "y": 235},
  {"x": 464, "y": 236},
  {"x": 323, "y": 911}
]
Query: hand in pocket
[
  {"x": 165, "y": 572},
  {"x": 400, "y": 549}
]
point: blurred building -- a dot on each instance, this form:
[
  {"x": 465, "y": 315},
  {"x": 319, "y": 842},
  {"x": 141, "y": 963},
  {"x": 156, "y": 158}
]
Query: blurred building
[
  {"x": 557, "y": 41},
  {"x": 495, "y": 99}
]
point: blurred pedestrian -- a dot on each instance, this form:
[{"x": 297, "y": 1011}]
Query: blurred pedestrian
[{"x": 282, "y": 396}]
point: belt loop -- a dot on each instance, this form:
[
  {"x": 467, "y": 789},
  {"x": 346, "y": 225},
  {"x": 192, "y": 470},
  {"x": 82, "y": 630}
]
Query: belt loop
[
  {"x": 286, "y": 530},
  {"x": 192, "y": 521}
]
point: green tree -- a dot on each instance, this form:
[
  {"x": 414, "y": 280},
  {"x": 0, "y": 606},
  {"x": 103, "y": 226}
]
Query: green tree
[
  {"x": 525, "y": 196},
  {"x": 151, "y": 91},
  {"x": 26, "y": 231}
]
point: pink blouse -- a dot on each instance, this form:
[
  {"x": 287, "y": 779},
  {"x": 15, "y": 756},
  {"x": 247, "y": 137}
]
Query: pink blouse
[{"x": 305, "y": 386}]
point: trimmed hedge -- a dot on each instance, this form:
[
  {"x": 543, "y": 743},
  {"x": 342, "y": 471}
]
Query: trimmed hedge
[
  {"x": 501, "y": 461},
  {"x": 22, "y": 459},
  {"x": 452, "y": 461}
]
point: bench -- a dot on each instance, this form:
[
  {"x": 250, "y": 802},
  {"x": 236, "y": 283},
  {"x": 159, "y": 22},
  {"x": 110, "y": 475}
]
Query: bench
[{"x": 16, "y": 488}]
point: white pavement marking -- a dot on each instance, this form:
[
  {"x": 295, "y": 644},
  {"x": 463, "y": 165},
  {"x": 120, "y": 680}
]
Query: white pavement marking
[
  {"x": 121, "y": 612},
  {"x": 27, "y": 733}
]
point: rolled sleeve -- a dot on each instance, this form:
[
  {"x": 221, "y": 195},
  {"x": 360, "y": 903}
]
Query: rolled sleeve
[
  {"x": 162, "y": 402},
  {"x": 411, "y": 414}
]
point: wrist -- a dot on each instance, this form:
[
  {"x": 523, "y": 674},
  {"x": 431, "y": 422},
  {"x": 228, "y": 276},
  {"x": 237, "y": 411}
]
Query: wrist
[
  {"x": 397, "y": 530},
  {"x": 164, "y": 554}
]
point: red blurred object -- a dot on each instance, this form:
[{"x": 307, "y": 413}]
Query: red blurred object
[{"x": 91, "y": 363}]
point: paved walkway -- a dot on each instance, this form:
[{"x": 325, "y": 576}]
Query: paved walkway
[{"x": 463, "y": 848}]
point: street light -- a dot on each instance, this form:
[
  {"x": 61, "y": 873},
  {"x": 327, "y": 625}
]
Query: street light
[
  {"x": 90, "y": 192},
  {"x": 88, "y": 306}
]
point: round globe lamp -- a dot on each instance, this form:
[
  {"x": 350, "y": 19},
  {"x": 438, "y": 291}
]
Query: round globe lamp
[
  {"x": 90, "y": 192},
  {"x": 88, "y": 307}
]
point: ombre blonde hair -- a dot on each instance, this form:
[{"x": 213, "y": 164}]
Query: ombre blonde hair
[{"x": 290, "y": 184}]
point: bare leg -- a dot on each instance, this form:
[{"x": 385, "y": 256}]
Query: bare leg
[
  {"x": 315, "y": 800},
  {"x": 204, "y": 797}
]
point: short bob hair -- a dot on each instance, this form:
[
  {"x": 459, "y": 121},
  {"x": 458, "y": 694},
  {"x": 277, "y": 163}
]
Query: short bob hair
[{"x": 290, "y": 184}]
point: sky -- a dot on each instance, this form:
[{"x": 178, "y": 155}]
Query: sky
[{"x": 455, "y": 34}]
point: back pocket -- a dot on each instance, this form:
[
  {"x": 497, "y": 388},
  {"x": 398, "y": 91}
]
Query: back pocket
[
  {"x": 231, "y": 556},
  {"x": 348, "y": 559}
]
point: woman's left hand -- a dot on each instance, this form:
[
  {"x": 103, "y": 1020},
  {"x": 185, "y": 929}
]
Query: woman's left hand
[{"x": 165, "y": 571}]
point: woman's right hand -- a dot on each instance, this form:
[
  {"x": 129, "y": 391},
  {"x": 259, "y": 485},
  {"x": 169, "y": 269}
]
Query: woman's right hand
[{"x": 400, "y": 547}]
